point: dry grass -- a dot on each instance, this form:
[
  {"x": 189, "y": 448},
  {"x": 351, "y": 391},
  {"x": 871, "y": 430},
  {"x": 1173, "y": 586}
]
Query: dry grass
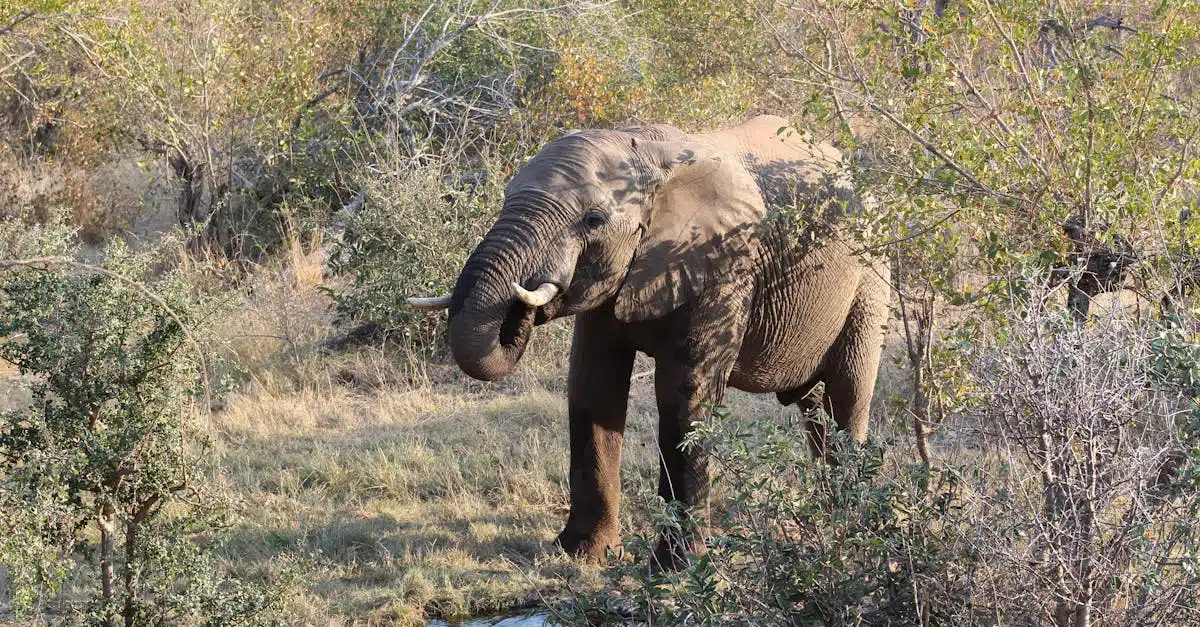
[
  {"x": 119, "y": 196},
  {"x": 396, "y": 504},
  {"x": 390, "y": 504},
  {"x": 389, "y": 497}
]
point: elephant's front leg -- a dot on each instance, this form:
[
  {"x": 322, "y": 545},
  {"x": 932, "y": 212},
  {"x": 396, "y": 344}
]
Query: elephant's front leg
[
  {"x": 688, "y": 382},
  {"x": 685, "y": 395},
  {"x": 597, "y": 397}
]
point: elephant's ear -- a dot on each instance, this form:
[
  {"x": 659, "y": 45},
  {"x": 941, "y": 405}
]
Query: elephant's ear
[{"x": 700, "y": 229}]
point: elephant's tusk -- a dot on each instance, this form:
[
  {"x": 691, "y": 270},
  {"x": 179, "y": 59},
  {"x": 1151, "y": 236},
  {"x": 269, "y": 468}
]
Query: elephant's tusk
[
  {"x": 542, "y": 295},
  {"x": 433, "y": 303}
]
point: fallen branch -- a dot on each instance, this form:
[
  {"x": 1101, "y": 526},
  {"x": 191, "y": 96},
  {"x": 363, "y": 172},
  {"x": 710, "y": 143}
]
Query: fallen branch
[{"x": 16, "y": 61}]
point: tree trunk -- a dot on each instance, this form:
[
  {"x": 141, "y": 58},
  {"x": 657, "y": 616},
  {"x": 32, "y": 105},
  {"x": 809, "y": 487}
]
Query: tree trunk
[
  {"x": 131, "y": 576},
  {"x": 131, "y": 560},
  {"x": 922, "y": 365},
  {"x": 108, "y": 532}
]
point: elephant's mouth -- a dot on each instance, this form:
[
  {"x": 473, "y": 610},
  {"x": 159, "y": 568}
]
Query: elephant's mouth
[
  {"x": 549, "y": 311},
  {"x": 487, "y": 339},
  {"x": 517, "y": 325},
  {"x": 520, "y": 319}
]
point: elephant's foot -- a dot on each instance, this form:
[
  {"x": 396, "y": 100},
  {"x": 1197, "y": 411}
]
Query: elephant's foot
[
  {"x": 592, "y": 547},
  {"x": 672, "y": 552}
]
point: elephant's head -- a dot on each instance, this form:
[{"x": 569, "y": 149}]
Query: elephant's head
[{"x": 647, "y": 217}]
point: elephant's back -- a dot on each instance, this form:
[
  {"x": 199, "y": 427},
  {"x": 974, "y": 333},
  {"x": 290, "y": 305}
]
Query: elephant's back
[
  {"x": 777, "y": 153},
  {"x": 789, "y": 165}
]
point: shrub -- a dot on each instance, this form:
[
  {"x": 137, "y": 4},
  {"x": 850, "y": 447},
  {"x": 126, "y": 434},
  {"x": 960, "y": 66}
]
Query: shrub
[
  {"x": 102, "y": 475},
  {"x": 1092, "y": 512},
  {"x": 1069, "y": 497},
  {"x": 988, "y": 131},
  {"x": 709, "y": 62},
  {"x": 413, "y": 233},
  {"x": 799, "y": 541}
]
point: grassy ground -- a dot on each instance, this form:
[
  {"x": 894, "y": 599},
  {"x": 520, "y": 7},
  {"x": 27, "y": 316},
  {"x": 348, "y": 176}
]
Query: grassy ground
[
  {"x": 393, "y": 504},
  {"x": 389, "y": 504},
  {"x": 390, "y": 489}
]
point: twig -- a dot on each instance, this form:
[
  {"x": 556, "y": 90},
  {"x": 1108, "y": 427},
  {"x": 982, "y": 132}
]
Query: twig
[
  {"x": 1028, "y": 82},
  {"x": 919, "y": 233},
  {"x": 85, "y": 49},
  {"x": 936, "y": 152},
  {"x": 16, "y": 61},
  {"x": 926, "y": 144},
  {"x": 796, "y": 54},
  {"x": 837, "y": 102},
  {"x": 999, "y": 120},
  {"x": 16, "y": 22},
  {"x": 546, "y": 10},
  {"x": 1183, "y": 161}
]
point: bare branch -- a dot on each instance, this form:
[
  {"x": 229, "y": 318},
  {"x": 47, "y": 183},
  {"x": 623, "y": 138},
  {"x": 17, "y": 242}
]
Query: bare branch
[{"x": 16, "y": 61}]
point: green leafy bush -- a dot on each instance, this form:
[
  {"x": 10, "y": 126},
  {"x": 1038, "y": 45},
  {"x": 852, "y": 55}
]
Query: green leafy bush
[
  {"x": 799, "y": 541},
  {"x": 103, "y": 474},
  {"x": 410, "y": 238}
]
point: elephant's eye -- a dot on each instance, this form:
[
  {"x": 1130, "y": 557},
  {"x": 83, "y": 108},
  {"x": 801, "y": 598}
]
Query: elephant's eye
[{"x": 595, "y": 219}]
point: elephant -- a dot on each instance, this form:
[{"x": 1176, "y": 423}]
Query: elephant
[{"x": 719, "y": 255}]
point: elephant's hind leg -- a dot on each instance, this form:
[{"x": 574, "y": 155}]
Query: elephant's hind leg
[{"x": 852, "y": 364}]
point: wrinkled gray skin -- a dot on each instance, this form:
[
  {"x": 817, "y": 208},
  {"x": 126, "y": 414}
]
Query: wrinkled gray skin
[{"x": 659, "y": 243}]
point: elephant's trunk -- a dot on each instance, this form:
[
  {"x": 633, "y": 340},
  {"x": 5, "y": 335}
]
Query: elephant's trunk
[{"x": 489, "y": 325}]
